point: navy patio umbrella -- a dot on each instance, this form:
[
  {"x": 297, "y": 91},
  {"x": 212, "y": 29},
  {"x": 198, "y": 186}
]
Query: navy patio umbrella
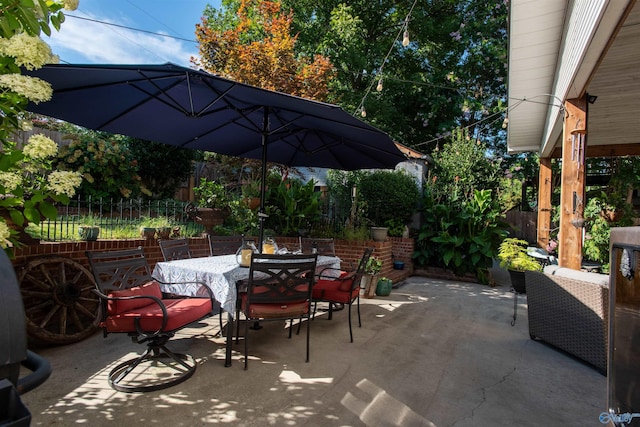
[{"x": 193, "y": 109}]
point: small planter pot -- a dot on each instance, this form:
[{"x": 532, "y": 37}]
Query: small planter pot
[
  {"x": 148, "y": 232},
  {"x": 89, "y": 232},
  {"x": 379, "y": 234},
  {"x": 163, "y": 232},
  {"x": 398, "y": 265},
  {"x": 383, "y": 288}
]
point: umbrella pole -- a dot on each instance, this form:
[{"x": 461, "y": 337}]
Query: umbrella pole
[{"x": 262, "y": 216}]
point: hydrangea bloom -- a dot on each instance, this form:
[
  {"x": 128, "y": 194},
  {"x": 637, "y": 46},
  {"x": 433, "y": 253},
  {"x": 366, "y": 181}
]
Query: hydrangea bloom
[
  {"x": 32, "y": 88},
  {"x": 40, "y": 147},
  {"x": 70, "y": 4},
  {"x": 10, "y": 180},
  {"x": 28, "y": 51},
  {"x": 64, "y": 182},
  {"x": 5, "y": 233}
]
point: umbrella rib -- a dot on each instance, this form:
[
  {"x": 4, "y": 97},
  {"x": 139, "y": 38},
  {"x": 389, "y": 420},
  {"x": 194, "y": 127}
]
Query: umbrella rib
[
  {"x": 156, "y": 96},
  {"x": 220, "y": 96}
]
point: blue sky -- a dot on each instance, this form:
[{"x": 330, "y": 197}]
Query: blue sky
[{"x": 85, "y": 42}]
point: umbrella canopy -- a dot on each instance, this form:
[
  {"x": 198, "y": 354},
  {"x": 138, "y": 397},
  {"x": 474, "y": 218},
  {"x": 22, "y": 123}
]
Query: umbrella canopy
[{"x": 193, "y": 109}]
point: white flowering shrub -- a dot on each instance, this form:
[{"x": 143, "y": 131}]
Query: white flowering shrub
[{"x": 28, "y": 184}]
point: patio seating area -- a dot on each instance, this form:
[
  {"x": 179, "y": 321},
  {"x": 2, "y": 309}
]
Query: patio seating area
[{"x": 433, "y": 353}]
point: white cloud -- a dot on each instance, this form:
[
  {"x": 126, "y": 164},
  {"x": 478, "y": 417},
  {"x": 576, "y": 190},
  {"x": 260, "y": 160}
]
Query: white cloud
[{"x": 80, "y": 41}]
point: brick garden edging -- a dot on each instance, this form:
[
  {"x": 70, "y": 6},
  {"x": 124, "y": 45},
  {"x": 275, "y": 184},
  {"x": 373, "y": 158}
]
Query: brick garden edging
[{"x": 349, "y": 251}]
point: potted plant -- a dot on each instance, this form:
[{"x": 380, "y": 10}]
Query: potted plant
[
  {"x": 513, "y": 256},
  {"x": 383, "y": 287},
  {"x": 251, "y": 194},
  {"x": 157, "y": 227},
  {"x": 89, "y": 232},
  {"x": 379, "y": 234},
  {"x": 213, "y": 204},
  {"x": 369, "y": 278}
]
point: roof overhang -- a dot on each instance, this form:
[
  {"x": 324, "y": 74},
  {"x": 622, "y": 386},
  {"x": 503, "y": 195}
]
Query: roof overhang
[{"x": 561, "y": 49}]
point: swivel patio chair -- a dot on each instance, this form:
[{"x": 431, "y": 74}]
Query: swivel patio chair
[
  {"x": 173, "y": 249},
  {"x": 342, "y": 290},
  {"x": 278, "y": 288},
  {"x": 133, "y": 303}
]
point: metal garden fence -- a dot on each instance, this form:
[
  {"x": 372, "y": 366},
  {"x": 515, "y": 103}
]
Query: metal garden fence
[{"x": 118, "y": 218}]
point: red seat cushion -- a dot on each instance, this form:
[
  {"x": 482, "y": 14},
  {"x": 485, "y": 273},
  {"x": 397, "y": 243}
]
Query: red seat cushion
[
  {"x": 180, "y": 313},
  {"x": 120, "y": 306},
  {"x": 274, "y": 311},
  {"x": 334, "y": 290}
]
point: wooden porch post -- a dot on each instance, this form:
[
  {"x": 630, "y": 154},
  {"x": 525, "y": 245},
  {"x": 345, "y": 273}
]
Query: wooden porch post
[
  {"x": 572, "y": 191},
  {"x": 544, "y": 202}
]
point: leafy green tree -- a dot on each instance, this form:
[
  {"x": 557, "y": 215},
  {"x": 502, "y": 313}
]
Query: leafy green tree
[
  {"x": 464, "y": 165},
  {"x": 452, "y": 73}
]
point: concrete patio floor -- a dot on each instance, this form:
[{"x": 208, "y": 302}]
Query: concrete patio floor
[{"x": 433, "y": 353}]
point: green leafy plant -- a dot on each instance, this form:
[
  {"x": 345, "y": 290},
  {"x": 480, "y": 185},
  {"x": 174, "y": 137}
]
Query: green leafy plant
[
  {"x": 598, "y": 225},
  {"x": 211, "y": 194},
  {"x": 462, "y": 236},
  {"x": 374, "y": 265},
  {"x": 291, "y": 205},
  {"x": 250, "y": 189},
  {"x": 512, "y": 255}
]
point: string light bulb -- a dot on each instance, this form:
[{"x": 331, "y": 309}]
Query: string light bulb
[
  {"x": 405, "y": 38},
  {"x": 505, "y": 122},
  {"x": 379, "y": 87},
  {"x": 363, "y": 112}
]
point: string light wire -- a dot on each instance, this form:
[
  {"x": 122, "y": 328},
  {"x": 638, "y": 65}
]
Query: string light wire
[{"x": 373, "y": 80}]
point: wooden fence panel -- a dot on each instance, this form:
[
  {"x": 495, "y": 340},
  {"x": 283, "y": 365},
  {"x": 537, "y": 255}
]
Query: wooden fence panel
[{"x": 524, "y": 225}]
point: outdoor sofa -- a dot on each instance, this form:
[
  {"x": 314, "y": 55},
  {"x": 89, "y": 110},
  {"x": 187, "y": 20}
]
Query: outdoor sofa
[{"x": 569, "y": 309}]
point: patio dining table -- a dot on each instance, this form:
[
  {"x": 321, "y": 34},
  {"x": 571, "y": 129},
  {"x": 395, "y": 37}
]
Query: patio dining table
[{"x": 220, "y": 273}]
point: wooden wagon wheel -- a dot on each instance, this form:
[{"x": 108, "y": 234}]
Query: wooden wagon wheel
[{"x": 58, "y": 300}]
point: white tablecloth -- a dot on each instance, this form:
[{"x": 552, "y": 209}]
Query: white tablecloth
[{"x": 219, "y": 273}]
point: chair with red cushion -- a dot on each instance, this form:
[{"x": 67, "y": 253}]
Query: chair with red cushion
[
  {"x": 278, "y": 288},
  {"x": 342, "y": 290},
  {"x": 133, "y": 303}
]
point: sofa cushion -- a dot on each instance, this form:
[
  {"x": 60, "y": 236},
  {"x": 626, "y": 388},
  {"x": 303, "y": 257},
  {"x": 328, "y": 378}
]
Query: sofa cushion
[{"x": 595, "y": 278}]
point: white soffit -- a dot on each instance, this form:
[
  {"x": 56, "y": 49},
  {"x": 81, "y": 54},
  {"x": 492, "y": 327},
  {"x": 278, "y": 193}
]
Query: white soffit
[
  {"x": 577, "y": 41},
  {"x": 535, "y": 35}
]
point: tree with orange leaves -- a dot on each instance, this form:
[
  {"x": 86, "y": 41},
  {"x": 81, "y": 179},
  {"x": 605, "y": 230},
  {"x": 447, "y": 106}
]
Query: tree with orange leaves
[{"x": 249, "y": 41}]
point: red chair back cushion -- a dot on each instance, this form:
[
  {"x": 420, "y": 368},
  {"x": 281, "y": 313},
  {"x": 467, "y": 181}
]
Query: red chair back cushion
[{"x": 120, "y": 306}]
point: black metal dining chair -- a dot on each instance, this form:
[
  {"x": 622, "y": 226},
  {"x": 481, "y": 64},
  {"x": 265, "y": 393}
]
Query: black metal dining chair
[
  {"x": 278, "y": 288},
  {"x": 173, "y": 249},
  {"x": 345, "y": 289},
  {"x": 322, "y": 246},
  {"x": 224, "y": 245}
]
